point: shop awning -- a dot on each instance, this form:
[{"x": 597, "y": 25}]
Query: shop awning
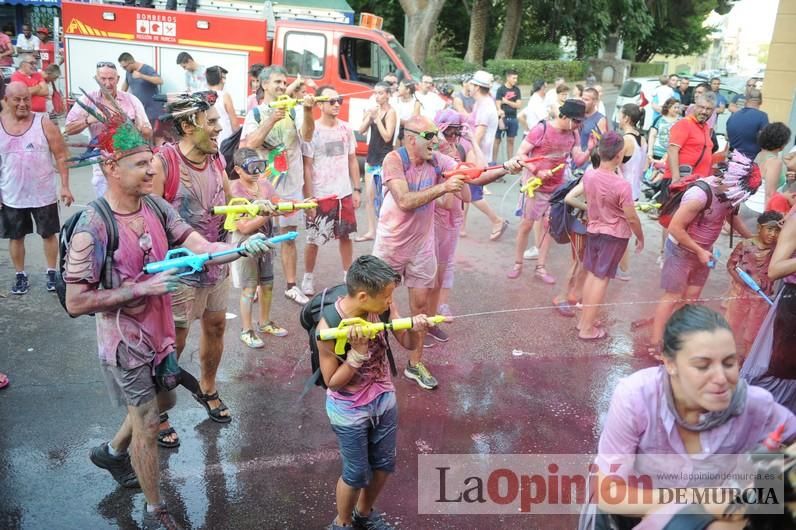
[{"x": 50, "y": 3}]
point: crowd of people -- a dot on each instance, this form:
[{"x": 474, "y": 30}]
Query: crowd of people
[{"x": 158, "y": 172}]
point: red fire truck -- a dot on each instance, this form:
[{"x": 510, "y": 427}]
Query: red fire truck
[{"x": 317, "y": 42}]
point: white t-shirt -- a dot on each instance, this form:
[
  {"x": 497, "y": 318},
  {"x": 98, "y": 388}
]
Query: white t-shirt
[
  {"x": 24, "y": 43},
  {"x": 485, "y": 113},
  {"x": 329, "y": 149},
  {"x": 284, "y": 133},
  {"x": 430, "y": 104},
  {"x": 536, "y": 110},
  {"x": 662, "y": 93}
]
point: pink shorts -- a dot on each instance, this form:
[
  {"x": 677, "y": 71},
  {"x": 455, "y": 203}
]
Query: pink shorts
[
  {"x": 447, "y": 239},
  {"x": 535, "y": 208},
  {"x": 418, "y": 270}
]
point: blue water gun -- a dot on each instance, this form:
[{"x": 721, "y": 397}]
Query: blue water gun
[
  {"x": 748, "y": 280},
  {"x": 714, "y": 259},
  {"x": 188, "y": 262}
]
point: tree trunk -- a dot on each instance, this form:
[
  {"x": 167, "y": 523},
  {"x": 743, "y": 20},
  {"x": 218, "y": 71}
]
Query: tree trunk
[
  {"x": 422, "y": 18},
  {"x": 479, "y": 20},
  {"x": 511, "y": 29}
]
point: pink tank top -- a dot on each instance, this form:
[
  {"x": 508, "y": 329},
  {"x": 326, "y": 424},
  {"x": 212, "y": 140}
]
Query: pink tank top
[{"x": 27, "y": 173}]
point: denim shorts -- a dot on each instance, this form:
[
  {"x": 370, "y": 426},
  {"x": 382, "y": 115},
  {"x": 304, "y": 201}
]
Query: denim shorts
[
  {"x": 366, "y": 435},
  {"x": 681, "y": 269}
]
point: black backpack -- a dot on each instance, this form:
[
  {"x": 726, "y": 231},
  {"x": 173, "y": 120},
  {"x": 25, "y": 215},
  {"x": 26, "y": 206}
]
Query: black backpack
[
  {"x": 563, "y": 217},
  {"x": 322, "y": 305},
  {"x": 231, "y": 144},
  {"x": 103, "y": 209}
]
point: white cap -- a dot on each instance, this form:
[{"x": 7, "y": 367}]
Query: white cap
[{"x": 482, "y": 78}]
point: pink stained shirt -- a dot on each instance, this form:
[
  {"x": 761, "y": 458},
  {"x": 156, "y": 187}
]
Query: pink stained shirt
[
  {"x": 640, "y": 423},
  {"x": 146, "y": 324},
  {"x": 607, "y": 194},
  {"x": 27, "y": 173},
  {"x": 556, "y": 146},
  {"x": 373, "y": 378},
  {"x": 265, "y": 191},
  {"x": 5, "y": 45},
  {"x": 450, "y": 218},
  {"x": 401, "y": 234},
  {"x": 706, "y": 226},
  {"x": 329, "y": 150}
]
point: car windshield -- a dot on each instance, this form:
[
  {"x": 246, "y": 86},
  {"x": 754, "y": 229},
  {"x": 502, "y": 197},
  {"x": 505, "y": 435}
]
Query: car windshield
[
  {"x": 630, "y": 89},
  {"x": 406, "y": 59}
]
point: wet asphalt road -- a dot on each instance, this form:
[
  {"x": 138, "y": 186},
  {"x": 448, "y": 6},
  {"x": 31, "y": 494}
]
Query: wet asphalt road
[{"x": 276, "y": 464}]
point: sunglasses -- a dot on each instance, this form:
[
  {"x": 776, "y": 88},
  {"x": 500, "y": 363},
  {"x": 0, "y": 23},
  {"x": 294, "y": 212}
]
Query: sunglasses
[
  {"x": 425, "y": 135},
  {"x": 254, "y": 166},
  {"x": 335, "y": 101},
  {"x": 106, "y": 64},
  {"x": 453, "y": 130}
]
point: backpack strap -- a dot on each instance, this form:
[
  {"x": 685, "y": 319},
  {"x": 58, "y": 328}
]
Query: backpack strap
[
  {"x": 155, "y": 206},
  {"x": 462, "y": 153},
  {"x": 404, "y": 154},
  {"x": 704, "y": 186},
  {"x": 103, "y": 209}
]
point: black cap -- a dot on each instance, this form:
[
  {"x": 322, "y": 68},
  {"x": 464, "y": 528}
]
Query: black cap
[{"x": 573, "y": 108}]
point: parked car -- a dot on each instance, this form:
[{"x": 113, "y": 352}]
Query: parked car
[{"x": 640, "y": 90}]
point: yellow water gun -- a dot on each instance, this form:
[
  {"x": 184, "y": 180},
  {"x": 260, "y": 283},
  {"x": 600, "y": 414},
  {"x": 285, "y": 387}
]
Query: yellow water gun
[
  {"x": 370, "y": 329},
  {"x": 240, "y": 206},
  {"x": 287, "y": 103},
  {"x": 531, "y": 186},
  {"x": 647, "y": 206}
]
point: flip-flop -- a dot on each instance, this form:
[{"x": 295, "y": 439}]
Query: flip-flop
[
  {"x": 497, "y": 233},
  {"x": 601, "y": 334},
  {"x": 360, "y": 239},
  {"x": 564, "y": 309},
  {"x": 596, "y": 324},
  {"x": 3, "y": 380},
  {"x": 515, "y": 272}
]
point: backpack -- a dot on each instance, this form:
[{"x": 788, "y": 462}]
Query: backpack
[
  {"x": 322, "y": 305},
  {"x": 231, "y": 144},
  {"x": 562, "y": 217},
  {"x": 103, "y": 209},
  {"x": 670, "y": 206}
]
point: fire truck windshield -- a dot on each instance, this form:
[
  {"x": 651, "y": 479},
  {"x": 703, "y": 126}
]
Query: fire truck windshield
[{"x": 406, "y": 59}]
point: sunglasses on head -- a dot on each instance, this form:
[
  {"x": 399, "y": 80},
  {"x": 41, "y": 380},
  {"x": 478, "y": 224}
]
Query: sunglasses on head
[
  {"x": 106, "y": 64},
  {"x": 425, "y": 135},
  {"x": 335, "y": 101},
  {"x": 254, "y": 166}
]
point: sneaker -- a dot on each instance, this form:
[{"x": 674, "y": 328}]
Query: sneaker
[
  {"x": 420, "y": 373},
  {"x": 335, "y": 526},
  {"x": 437, "y": 333},
  {"x": 20, "y": 284},
  {"x": 50, "y": 280},
  {"x": 428, "y": 342},
  {"x": 295, "y": 294},
  {"x": 272, "y": 329},
  {"x": 622, "y": 276},
  {"x": 531, "y": 253},
  {"x": 307, "y": 286},
  {"x": 374, "y": 521},
  {"x": 445, "y": 310},
  {"x": 160, "y": 519},
  {"x": 119, "y": 467},
  {"x": 250, "y": 339}
]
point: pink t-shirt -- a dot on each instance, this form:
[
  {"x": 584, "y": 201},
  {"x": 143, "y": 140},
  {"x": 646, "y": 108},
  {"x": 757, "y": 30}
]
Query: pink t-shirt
[
  {"x": 5, "y": 45},
  {"x": 146, "y": 324},
  {"x": 450, "y": 218},
  {"x": 329, "y": 150},
  {"x": 706, "y": 227},
  {"x": 607, "y": 194},
  {"x": 556, "y": 146},
  {"x": 265, "y": 191},
  {"x": 402, "y": 235},
  {"x": 373, "y": 378}
]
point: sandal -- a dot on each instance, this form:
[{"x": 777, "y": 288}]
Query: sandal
[
  {"x": 515, "y": 272},
  {"x": 601, "y": 334},
  {"x": 166, "y": 433},
  {"x": 3, "y": 380},
  {"x": 541, "y": 273},
  {"x": 497, "y": 232},
  {"x": 564, "y": 308},
  {"x": 214, "y": 413}
]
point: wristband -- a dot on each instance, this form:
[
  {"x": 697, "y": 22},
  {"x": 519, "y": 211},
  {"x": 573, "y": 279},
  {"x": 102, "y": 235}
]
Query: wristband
[{"x": 358, "y": 190}]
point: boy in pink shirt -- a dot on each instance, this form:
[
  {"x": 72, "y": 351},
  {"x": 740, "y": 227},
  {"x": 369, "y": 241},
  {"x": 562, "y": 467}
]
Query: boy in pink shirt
[{"x": 612, "y": 220}]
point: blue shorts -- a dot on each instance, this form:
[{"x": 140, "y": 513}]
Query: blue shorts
[
  {"x": 681, "y": 269},
  {"x": 602, "y": 254},
  {"x": 367, "y": 436},
  {"x": 512, "y": 126},
  {"x": 476, "y": 192}
]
